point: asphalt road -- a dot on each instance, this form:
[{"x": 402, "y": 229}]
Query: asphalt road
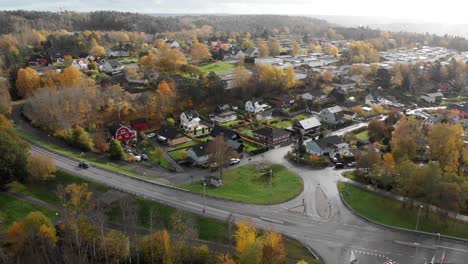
[{"x": 325, "y": 224}]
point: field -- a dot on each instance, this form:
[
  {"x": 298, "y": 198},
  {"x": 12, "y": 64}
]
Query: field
[
  {"x": 390, "y": 212},
  {"x": 179, "y": 154},
  {"x": 364, "y": 135},
  {"x": 246, "y": 184},
  {"x": 249, "y": 147},
  {"x": 283, "y": 124},
  {"x": 219, "y": 67}
]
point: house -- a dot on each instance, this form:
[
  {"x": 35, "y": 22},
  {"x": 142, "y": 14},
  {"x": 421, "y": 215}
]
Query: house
[
  {"x": 265, "y": 115},
  {"x": 251, "y": 52},
  {"x": 111, "y": 67},
  {"x": 140, "y": 124},
  {"x": 432, "y": 98},
  {"x": 116, "y": 53},
  {"x": 255, "y": 106},
  {"x": 189, "y": 120},
  {"x": 121, "y": 132},
  {"x": 171, "y": 135},
  {"x": 308, "y": 125},
  {"x": 372, "y": 100},
  {"x": 198, "y": 154},
  {"x": 332, "y": 115},
  {"x": 329, "y": 146},
  {"x": 316, "y": 94},
  {"x": 239, "y": 55},
  {"x": 224, "y": 116},
  {"x": 271, "y": 136},
  {"x": 175, "y": 45},
  {"x": 346, "y": 86},
  {"x": 81, "y": 64},
  {"x": 231, "y": 137},
  {"x": 284, "y": 101}
]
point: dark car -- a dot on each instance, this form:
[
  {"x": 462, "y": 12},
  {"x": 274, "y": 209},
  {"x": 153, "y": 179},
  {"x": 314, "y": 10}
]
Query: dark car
[
  {"x": 339, "y": 165},
  {"x": 83, "y": 165}
]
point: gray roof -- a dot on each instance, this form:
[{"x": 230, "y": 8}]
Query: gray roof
[
  {"x": 310, "y": 123},
  {"x": 335, "y": 109}
]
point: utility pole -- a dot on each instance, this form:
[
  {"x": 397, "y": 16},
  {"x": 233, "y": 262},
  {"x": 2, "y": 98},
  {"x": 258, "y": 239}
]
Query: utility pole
[
  {"x": 271, "y": 191},
  {"x": 204, "y": 198},
  {"x": 419, "y": 213}
]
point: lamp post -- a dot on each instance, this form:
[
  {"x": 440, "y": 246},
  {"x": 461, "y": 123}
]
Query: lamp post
[
  {"x": 419, "y": 213},
  {"x": 271, "y": 192},
  {"x": 204, "y": 198},
  {"x": 438, "y": 239}
]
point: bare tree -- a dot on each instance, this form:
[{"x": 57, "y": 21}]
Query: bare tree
[{"x": 220, "y": 153}]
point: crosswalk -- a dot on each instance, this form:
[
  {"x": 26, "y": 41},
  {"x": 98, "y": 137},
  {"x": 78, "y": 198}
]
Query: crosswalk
[{"x": 377, "y": 255}]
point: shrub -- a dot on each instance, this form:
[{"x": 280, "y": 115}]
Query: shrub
[
  {"x": 41, "y": 167},
  {"x": 115, "y": 150}
]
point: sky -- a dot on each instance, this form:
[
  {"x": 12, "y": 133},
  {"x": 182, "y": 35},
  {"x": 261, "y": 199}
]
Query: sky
[{"x": 428, "y": 11}]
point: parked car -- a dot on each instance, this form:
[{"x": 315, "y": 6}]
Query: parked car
[
  {"x": 144, "y": 157},
  {"x": 83, "y": 165},
  {"x": 150, "y": 135},
  {"x": 234, "y": 161},
  {"x": 339, "y": 165},
  {"x": 137, "y": 158},
  {"x": 351, "y": 164}
]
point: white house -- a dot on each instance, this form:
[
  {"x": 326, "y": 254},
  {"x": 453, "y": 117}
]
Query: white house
[
  {"x": 432, "y": 97},
  {"x": 330, "y": 146},
  {"x": 344, "y": 86},
  {"x": 117, "y": 53},
  {"x": 175, "y": 45},
  {"x": 111, "y": 67},
  {"x": 80, "y": 64},
  {"x": 239, "y": 55},
  {"x": 189, "y": 120},
  {"x": 255, "y": 107},
  {"x": 223, "y": 117},
  {"x": 311, "y": 124},
  {"x": 332, "y": 115}
]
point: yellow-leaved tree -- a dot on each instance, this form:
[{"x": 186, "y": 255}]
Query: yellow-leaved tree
[{"x": 27, "y": 82}]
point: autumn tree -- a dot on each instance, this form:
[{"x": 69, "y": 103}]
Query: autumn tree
[
  {"x": 166, "y": 98},
  {"x": 332, "y": 50},
  {"x": 199, "y": 52},
  {"x": 5, "y": 98},
  {"x": 290, "y": 77},
  {"x": 295, "y": 48},
  {"x": 225, "y": 259},
  {"x": 27, "y": 82},
  {"x": 263, "y": 48},
  {"x": 247, "y": 43},
  {"x": 240, "y": 77},
  {"x": 370, "y": 159},
  {"x": 274, "y": 250},
  {"x": 71, "y": 77},
  {"x": 220, "y": 153},
  {"x": 446, "y": 145},
  {"x": 361, "y": 52},
  {"x": 157, "y": 248},
  {"x": 116, "y": 246},
  {"x": 96, "y": 49},
  {"x": 246, "y": 235},
  {"x": 50, "y": 79},
  {"x": 41, "y": 167},
  {"x": 404, "y": 140},
  {"x": 376, "y": 130},
  {"x": 164, "y": 59},
  {"x": 76, "y": 199},
  {"x": 34, "y": 237},
  {"x": 274, "y": 47}
]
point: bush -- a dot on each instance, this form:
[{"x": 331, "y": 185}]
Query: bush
[
  {"x": 41, "y": 167},
  {"x": 115, "y": 150},
  {"x": 77, "y": 137},
  {"x": 317, "y": 162},
  {"x": 100, "y": 143}
]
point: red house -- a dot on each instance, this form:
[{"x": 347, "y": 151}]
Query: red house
[
  {"x": 139, "y": 124},
  {"x": 122, "y": 133}
]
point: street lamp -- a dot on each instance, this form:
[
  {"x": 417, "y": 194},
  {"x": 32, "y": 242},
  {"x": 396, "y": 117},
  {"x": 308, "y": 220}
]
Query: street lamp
[
  {"x": 438, "y": 239},
  {"x": 204, "y": 198},
  {"x": 271, "y": 192},
  {"x": 419, "y": 213}
]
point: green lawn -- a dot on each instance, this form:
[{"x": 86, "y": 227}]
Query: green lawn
[
  {"x": 248, "y": 132},
  {"x": 46, "y": 191},
  {"x": 219, "y": 67},
  {"x": 186, "y": 144},
  {"x": 178, "y": 154},
  {"x": 246, "y": 184},
  {"x": 364, "y": 135},
  {"x": 76, "y": 154},
  {"x": 250, "y": 146},
  {"x": 231, "y": 123},
  {"x": 390, "y": 212},
  {"x": 127, "y": 60},
  {"x": 13, "y": 209},
  {"x": 160, "y": 160},
  {"x": 283, "y": 124},
  {"x": 301, "y": 116}
]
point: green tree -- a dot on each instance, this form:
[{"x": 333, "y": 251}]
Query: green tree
[
  {"x": 13, "y": 158},
  {"x": 115, "y": 150}
]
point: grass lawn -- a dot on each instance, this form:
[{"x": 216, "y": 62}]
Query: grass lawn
[
  {"x": 178, "y": 154},
  {"x": 231, "y": 123},
  {"x": 248, "y": 132},
  {"x": 246, "y": 184},
  {"x": 160, "y": 160},
  {"x": 127, "y": 60},
  {"x": 76, "y": 155},
  {"x": 301, "y": 116},
  {"x": 46, "y": 191},
  {"x": 219, "y": 67},
  {"x": 13, "y": 209},
  {"x": 390, "y": 212},
  {"x": 364, "y": 135},
  {"x": 283, "y": 124},
  {"x": 250, "y": 146},
  {"x": 297, "y": 251},
  {"x": 186, "y": 144}
]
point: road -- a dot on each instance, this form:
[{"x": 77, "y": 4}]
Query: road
[{"x": 325, "y": 224}]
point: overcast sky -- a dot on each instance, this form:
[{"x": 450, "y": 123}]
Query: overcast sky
[{"x": 440, "y": 11}]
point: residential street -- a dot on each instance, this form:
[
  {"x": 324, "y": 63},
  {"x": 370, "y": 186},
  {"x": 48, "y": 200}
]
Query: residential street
[{"x": 332, "y": 235}]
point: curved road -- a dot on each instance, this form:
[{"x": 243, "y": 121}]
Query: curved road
[{"x": 323, "y": 223}]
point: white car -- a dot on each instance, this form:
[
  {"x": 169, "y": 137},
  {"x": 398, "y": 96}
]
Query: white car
[
  {"x": 150, "y": 135},
  {"x": 234, "y": 161}
]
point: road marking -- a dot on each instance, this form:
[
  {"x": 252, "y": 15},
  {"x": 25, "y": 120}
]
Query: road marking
[{"x": 267, "y": 219}]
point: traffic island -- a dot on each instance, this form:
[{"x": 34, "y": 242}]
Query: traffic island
[
  {"x": 381, "y": 210},
  {"x": 251, "y": 184}
]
